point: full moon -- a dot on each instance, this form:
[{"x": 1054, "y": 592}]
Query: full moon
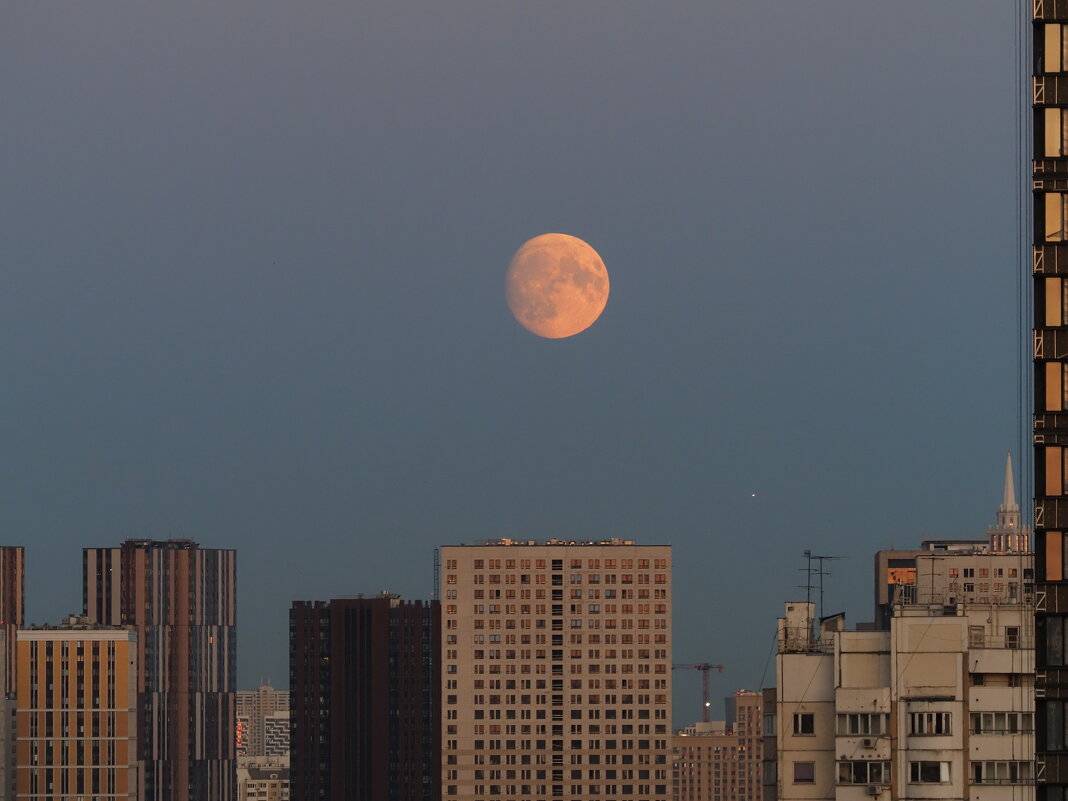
[{"x": 557, "y": 286}]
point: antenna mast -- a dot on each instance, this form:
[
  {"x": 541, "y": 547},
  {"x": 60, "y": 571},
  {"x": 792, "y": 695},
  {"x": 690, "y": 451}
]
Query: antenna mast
[{"x": 813, "y": 571}]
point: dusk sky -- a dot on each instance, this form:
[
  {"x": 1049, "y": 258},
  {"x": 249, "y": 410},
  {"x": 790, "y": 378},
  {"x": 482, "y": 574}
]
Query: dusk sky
[{"x": 252, "y": 262}]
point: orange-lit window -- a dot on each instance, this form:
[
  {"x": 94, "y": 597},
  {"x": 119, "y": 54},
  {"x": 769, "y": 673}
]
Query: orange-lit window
[
  {"x": 1054, "y": 558},
  {"x": 1054, "y": 470},
  {"x": 1053, "y": 377},
  {"x": 1054, "y": 47},
  {"x": 1055, "y": 205}
]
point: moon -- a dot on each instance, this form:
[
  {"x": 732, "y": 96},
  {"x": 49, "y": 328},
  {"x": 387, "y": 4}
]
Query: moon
[{"x": 557, "y": 285}]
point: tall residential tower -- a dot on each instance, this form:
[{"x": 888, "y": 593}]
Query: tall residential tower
[
  {"x": 1050, "y": 276},
  {"x": 180, "y": 600},
  {"x": 557, "y": 671},
  {"x": 364, "y": 699}
]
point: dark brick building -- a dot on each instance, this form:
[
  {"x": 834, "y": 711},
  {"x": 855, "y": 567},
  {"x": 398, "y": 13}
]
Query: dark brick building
[{"x": 365, "y": 679}]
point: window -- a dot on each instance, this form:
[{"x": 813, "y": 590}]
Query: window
[
  {"x": 804, "y": 772},
  {"x": 862, "y": 723},
  {"x": 930, "y": 723},
  {"x": 1001, "y": 722},
  {"x": 804, "y": 723},
  {"x": 1012, "y": 637},
  {"x": 1002, "y": 772},
  {"x": 1054, "y": 48},
  {"x": 928, "y": 772},
  {"x": 1051, "y": 734},
  {"x": 864, "y": 772},
  {"x": 1055, "y": 211}
]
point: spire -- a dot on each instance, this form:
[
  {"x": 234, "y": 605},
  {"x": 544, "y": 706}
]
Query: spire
[
  {"x": 1007, "y": 536},
  {"x": 1008, "y": 503}
]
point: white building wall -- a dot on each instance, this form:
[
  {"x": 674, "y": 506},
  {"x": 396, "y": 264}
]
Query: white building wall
[{"x": 892, "y": 711}]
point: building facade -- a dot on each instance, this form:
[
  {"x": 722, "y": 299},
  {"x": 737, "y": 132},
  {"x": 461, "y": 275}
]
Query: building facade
[
  {"x": 276, "y": 734},
  {"x": 180, "y": 599},
  {"x": 722, "y": 760},
  {"x": 12, "y": 603},
  {"x": 770, "y": 697},
  {"x": 364, "y": 699},
  {"x": 256, "y": 709},
  {"x": 939, "y": 706},
  {"x": 1049, "y": 181},
  {"x": 263, "y": 783},
  {"x": 77, "y": 721},
  {"x": 557, "y": 671}
]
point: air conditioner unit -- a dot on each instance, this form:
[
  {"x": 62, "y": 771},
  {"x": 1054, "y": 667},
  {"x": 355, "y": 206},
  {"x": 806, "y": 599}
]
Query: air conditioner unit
[
  {"x": 873, "y": 789},
  {"x": 868, "y": 742}
]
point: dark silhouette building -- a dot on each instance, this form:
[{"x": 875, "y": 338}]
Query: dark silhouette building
[
  {"x": 364, "y": 696},
  {"x": 180, "y": 599},
  {"x": 12, "y": 603}
]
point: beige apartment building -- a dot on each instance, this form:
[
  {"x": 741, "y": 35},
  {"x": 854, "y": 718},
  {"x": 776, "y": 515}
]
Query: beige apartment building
[
  {"x": 940, "y": 706},
  {"x": 556, "y": 671},
  {"x": 722, "y": 760},
  {"x": 262, "y": 782}
]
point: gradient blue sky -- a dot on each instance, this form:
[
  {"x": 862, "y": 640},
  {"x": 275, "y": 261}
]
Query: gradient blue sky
[{"x": 251, "y": 291}]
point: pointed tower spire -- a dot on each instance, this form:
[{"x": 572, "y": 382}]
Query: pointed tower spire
[
  {"x": 1007, "y": 536},
  {"x": 1009, "y": 513}
]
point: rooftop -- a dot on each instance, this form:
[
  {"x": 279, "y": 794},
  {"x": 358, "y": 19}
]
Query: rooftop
[
  {"x": 73, "y": 623},
  {"x": 550, "y": 541}
]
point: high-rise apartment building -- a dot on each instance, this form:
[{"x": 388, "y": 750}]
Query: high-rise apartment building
[
  {"x": 77, "y": 712},
  {"x": 1049, "y": 182},
  {"x": 12, "y": 602},
  {"x": 7, "y": 725},
  {"x": 180, "y": 600},
  {"x": 254, "y": 709},
  {"x": 557, "y": 671},
  {"x": 364, "y": 699},
  {"x": 722, "y": 760}
]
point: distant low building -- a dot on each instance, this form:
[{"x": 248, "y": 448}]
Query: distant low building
[
  {"x": 257, "y": 711},
  {"x": 262, "y": 783},
  {"x": 722, "y": 760}
]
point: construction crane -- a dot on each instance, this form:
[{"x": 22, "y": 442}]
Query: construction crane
[{"x": 704, "y": 667}]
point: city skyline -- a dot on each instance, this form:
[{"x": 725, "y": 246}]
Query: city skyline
[
  {"x": 685, "y": 700},
  {"x": 254, "y": 292}
]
